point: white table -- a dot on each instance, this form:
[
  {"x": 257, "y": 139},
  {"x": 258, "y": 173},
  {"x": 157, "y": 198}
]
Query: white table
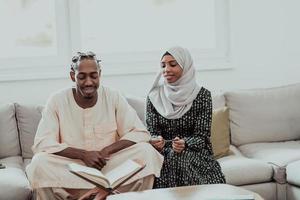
[{"x": 199, "y": 192}]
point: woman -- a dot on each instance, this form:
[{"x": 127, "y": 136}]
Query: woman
[{"x": 179, "y": 119}]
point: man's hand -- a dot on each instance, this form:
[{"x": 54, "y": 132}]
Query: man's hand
[
  {"x": 158, "y": 143},
  {"x": 178, "y": 144},
  {"x": 96, "y": 159}
]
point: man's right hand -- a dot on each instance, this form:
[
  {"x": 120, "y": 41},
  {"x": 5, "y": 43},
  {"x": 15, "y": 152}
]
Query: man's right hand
[
  {"x": 96, "y": 159},
  {"x": 158, "y": 143}
]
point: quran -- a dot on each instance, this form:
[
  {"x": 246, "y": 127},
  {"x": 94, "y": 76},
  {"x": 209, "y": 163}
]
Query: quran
[{"x": 112, "y": 179}]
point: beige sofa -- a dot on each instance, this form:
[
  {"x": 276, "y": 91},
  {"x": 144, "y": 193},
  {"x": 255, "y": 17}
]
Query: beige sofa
[
  {"x": 265, "y": 145},
  {"x": 265, "y": 126}
]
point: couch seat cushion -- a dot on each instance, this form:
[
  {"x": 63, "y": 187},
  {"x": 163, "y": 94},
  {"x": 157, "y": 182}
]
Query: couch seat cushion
[
  {"x": 293, "y": 192},
  {"x": 279, "y": 153},
  {"x": 293, "y": 173},
  {"x": 9, "y": 139},
  {"x": 13, "y": 182},
  {"x": 239, "y": 170}
]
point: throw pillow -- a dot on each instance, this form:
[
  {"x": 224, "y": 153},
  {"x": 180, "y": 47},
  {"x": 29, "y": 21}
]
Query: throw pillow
[{"x": 220, "y": 137}]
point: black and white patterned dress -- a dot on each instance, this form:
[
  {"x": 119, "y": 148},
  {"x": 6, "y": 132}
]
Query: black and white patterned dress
[{"x": 195, "y": 165}]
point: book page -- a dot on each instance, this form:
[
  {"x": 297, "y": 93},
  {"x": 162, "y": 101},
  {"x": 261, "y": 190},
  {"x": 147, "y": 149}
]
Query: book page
[
  {"x": 90, "y": 173},
  {"x": 122, "y": 171},
  {"x": 89, "y": 170}
]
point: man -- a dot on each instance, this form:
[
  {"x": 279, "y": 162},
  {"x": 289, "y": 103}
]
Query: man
[{"x": 88, "y": 125}]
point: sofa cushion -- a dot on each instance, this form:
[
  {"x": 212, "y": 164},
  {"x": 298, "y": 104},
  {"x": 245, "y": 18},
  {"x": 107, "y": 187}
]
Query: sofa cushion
[
  {"x": 28, "y": 118},
  {"x": 218, "y": 100},
  {"x": 239, "y": 170},
  {"x": 279, "y": 153},
  {"x": 292, "y": 173},
  {"x": 26, "y": 162},
  {"x": 264, "y": 115},
  {"x": 13, "y": 181},
  {"x": 268, "y": 191},
  {"x": 293, "y": 192},
  {"x": 9, "y": 139},
  {"x": 138, "y": 104},
  {"x": 220, "y": 138}
]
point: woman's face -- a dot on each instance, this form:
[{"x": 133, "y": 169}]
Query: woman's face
[{"x": 171, "y": 69}]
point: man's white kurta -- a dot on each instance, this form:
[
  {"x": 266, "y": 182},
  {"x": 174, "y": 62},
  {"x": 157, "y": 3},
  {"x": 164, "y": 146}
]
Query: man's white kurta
[{"x": 65, "y": 124}]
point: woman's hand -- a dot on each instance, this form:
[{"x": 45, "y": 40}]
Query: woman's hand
[
  {"x": 178, "y": 144},
  {"x": 158, "y": 143}
]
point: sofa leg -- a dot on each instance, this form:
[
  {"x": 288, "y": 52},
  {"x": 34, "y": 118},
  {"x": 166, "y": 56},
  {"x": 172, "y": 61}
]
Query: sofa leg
[{"x": 281, "y": 191}]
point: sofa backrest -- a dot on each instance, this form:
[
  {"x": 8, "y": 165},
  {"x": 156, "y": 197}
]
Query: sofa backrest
[
  {"x": 218, "y": 101},
  {"x": 24, "y": 119},
  {"x": 9, "y": 139},
  {"x": 264, "y": 115},
  {"x": 27, "y": 117},
  {"x": 138, "y": 104}
]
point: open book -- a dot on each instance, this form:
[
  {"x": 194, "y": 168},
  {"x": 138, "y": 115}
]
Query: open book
[{"x": 111, "y": 180}]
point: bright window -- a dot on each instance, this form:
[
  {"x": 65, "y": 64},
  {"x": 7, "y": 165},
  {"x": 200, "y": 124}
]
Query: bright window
[
  {"x": 135, "y": 25},
  {"x": 38, "y": 37},
  {"x": 34, "y": 39},
  {"x": 28, "y": 28},
  {"x": 131, "y": 35}
]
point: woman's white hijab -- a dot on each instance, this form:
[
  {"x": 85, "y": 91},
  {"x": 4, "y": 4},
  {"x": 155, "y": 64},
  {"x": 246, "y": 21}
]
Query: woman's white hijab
[{"x": 173, "y": 100}]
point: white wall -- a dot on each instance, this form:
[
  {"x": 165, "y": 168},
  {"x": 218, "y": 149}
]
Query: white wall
[{"x": 264, "y": 48}]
